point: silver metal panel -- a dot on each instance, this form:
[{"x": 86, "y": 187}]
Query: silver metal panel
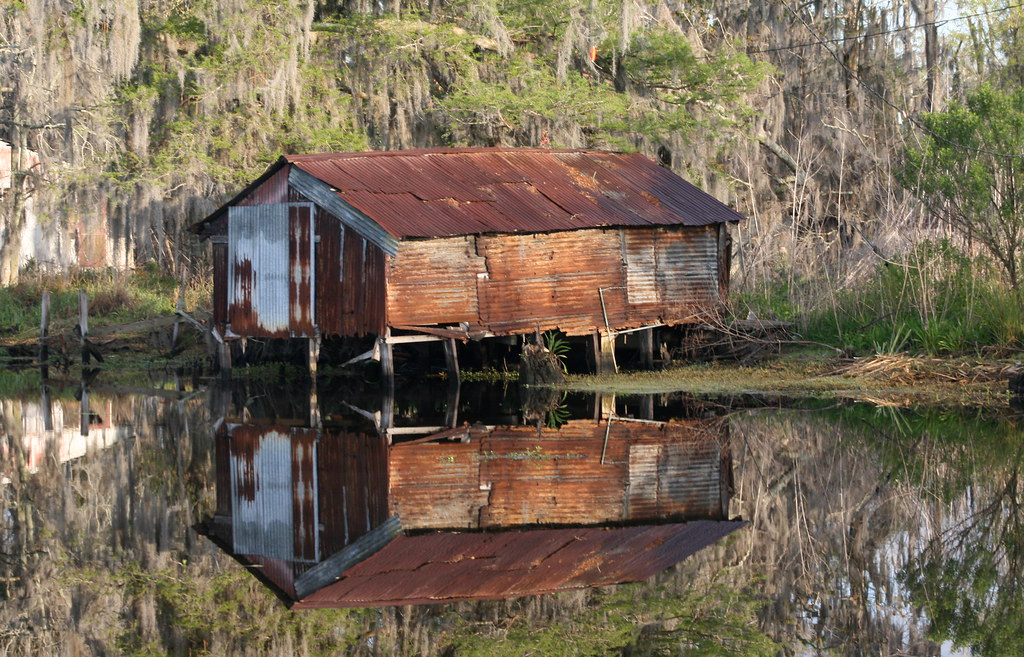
[
  {"x": 262, "y": 520},
  {"x": 258, "y": 293}
]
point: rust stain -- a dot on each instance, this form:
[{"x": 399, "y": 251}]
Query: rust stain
[
  {"x": 300, "y": 279},
  {"x": 448, "y": 570},
  {"x": 513, "y": 476}
]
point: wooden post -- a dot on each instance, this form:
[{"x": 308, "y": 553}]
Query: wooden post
[
  {"x": 387, "y": 363},
  {"x": 47, "y": 408},
  {"x": 647, "y": 407},
  {"x": 84, "y": 426},
  {"x": 83, "y": 324},
  {"x": 44, "y": 332},
  {"x": 604, "y": 353},
  {"x": 451, "y": 415},
  {"x": 314, "y": 353},
  {"x": 180, "y": 308},
  {"x": 607, "y": 404},
  {"x": 451, "y": 358},
  {"x": 224, "y": 357},
  {"x": 647, "y": 349}
]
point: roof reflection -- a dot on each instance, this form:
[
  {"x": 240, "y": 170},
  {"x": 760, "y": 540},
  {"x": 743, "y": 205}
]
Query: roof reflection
[{"x": 335, "y": 508}]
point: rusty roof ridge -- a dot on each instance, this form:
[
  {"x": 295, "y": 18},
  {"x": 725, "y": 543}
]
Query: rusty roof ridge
[{"x": 440, "y": 150}]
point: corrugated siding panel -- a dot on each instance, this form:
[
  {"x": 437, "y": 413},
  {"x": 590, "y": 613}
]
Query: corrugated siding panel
[
  {"x": 350, "y": 280},
  {"x": 220, "y": 284},
  {"x": 258, "y": 270},
  {"x": 671, "y": 274},
  {"x": 273, "y": 190},
  {"x": 261, "y": 494},
  {"x": 435, "y": 282},
  {"x": 687, "y": 270},
  {"x": 552, "y": 280},
  {"x": 678, "y": 478},
  {"x": 353, "y": 473},
  {"x": 301, "y": 273},
  {"x": 305, "y": 488},
  {"x": 436, "y": 486},
  {"x": 512, "y": 476},
  {"x": 638, "y": 252},
  {"x": 517, "y": 283},
  {"x": 329, "y": 301}
]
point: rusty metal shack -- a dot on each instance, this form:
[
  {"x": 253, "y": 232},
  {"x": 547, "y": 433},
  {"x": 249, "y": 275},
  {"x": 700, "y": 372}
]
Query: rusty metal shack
[
  {"x": 446, "y": 244},
  {"x": 335, "y": 518}
]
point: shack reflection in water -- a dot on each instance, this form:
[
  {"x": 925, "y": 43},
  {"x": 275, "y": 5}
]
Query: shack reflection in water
[{"x": 340, "y": 512}]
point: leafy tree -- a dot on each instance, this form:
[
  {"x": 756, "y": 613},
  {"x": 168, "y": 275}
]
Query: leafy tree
[{"x": 969, "y": 171}]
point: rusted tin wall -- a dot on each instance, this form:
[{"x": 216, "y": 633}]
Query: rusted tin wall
[
  {"x": 435, "y": 485},
  {"x": 301, "y": 272},
  {"x": 510, "y": 476},
  {"x": 350, "y": 291},
  {"x": 220, "y": 283},
  {"x": 273, "y": 190},
  {"x": 353, "y": 477},
  {"x": 509, "y": 284},
  {"x": 273, "y": 492},
  {"x": 435, "y": 282}
]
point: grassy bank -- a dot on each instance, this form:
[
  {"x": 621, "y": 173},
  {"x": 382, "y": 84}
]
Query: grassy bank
[
  {"x": 887, "y": 379},
  {"x": 934, "y": 300},
  {"x": 114, "y": 298}
]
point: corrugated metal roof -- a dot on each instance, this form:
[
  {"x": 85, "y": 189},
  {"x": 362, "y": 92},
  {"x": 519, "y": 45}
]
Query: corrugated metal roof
[
  {"x": 444, "y": 192},
  {"x": 436, "y": 568}
]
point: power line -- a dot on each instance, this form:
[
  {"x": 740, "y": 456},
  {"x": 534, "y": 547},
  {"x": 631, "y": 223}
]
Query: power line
[
  {"x": 867, "y": 35},
  {"x": 902, "y": 111}
]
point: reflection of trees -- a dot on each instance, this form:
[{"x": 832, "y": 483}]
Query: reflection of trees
[
  {"x": 827, "y": 521},
  {"x": 969, "y": 578}
]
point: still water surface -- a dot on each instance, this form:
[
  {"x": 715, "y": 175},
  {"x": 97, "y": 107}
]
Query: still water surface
[{"x": 470, "y": 520}]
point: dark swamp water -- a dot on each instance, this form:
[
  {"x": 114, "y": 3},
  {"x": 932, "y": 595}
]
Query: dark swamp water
[{"x": 187, "y": 519}]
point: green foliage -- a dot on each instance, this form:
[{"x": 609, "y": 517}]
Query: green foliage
[
  {"x": 968, "y": 577},
  {"x": 232, "y": 606},
  {"x": 934, "y": 300},
  {"x": 558, "y": 345},
  {"x": 114, "y": 297},
  {"x": 969, "y": 170},
  {"x": 716, "y": 621},
  {"x": 529, "y": 90},
  {"x": 663, "y": 62}
]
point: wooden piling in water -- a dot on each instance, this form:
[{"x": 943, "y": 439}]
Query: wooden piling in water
[
  {"x": 83, "y": 325},
  {"x": 44, "y": 333}
]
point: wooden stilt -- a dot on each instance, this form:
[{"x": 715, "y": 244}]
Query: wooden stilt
[
  {"x": 607, "y": 404},
  {"x": 44, "y": 332},
  {"x": 647, "y": 407},
  {"x": 84, "y": 425},
  {"x": 387, "y": 364},
  {"x": 180, "y": 308},
  {"x": 47, "y": 408},
  {"x": 83, "y": 325},
  {"x": 314, "y": 353},
  {"x": 224, "y": 357},
  {"x": 647, "y": 349},
  {"x": 451, "y": 357},
  {"x": 604, "y": 353},
  {"x": 451, "y": 416}
]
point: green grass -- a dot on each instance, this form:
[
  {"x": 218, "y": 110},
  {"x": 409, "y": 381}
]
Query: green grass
[
  {"x": 114, "y": 298},
  {"x": 934, "y": 300}
]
